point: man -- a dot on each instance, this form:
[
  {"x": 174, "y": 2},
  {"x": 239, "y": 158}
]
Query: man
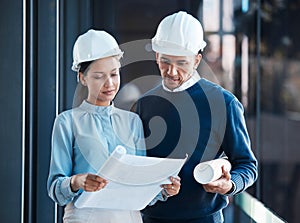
[{"x": 190, "y": 115}]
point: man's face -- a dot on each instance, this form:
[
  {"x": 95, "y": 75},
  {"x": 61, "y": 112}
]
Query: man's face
[{"x": 175, "y": 70}]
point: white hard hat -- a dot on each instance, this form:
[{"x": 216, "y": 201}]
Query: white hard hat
[
  {"x": 179, "y": 34},
  {"x": 94, "y": 45}
]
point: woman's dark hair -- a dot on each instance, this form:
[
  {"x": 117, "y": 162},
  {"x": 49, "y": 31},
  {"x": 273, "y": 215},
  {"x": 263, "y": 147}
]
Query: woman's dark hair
[
  {"x": 84, "y": 66},
  {"x": 81, "y": 91}
]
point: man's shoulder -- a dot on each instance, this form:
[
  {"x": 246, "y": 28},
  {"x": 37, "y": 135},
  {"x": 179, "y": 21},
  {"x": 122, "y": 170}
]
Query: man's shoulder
[
  {"x": 153, "y": 90},
  {"x": 156, "y": 91},
  {"x": 209, "y": 86}
]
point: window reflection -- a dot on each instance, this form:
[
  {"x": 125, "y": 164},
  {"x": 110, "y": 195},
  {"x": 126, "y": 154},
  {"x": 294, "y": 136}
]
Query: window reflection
[
  {"x": 232, "y": 55},
  {"x": 228, "y": 59},
  {"x": 228, "y": 7},
  {"x": 211, "y": 15}
]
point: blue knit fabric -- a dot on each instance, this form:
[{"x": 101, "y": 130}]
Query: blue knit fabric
[{"x": 205, "y": 121}]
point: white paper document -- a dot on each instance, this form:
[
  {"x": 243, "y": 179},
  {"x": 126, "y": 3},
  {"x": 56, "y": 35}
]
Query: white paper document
[{"x": 133, "y": 181}]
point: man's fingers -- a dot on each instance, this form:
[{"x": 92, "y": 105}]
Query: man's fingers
[{"x": 226, "y": 173}]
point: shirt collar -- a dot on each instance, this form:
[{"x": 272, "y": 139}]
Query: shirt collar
[
  {"x": 96, "y": 109},
  {"x": 190, "y": 82}
]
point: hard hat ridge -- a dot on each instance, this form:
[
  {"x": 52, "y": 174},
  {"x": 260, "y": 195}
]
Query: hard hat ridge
[
  {"x": 179, "y": 34},
  {"x": 93, "y": 45}
]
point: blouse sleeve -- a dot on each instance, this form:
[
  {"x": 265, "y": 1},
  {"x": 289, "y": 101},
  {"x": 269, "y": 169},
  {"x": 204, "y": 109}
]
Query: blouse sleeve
[
  {"x": 140, "y": 139},
  {"x": 58, "y": 184}
]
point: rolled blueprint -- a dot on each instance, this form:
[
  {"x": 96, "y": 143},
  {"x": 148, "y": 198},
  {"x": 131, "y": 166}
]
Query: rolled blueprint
[
  {"x": 118, "y": 152},
  {"x": 209, "y": 171}
]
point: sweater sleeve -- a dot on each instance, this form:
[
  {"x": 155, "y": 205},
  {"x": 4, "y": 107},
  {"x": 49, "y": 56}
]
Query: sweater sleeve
[
  {"x": 60, "y": 170},
  {"x": 237, "y": 147}
]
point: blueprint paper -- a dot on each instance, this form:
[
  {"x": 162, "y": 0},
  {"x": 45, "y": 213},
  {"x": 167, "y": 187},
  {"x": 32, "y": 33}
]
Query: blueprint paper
[
  {"x": 206, "y": 172},
  {"x": 133, "y": 181}
]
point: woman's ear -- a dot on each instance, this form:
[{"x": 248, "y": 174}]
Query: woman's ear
[{"x": 82, "y": 78}]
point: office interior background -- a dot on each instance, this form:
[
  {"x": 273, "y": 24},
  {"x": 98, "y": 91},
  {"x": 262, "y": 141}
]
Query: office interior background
[{"x": 253, "y": 50}]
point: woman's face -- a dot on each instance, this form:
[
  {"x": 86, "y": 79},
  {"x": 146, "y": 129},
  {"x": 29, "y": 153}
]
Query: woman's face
[{"x": 102, "y": 79}]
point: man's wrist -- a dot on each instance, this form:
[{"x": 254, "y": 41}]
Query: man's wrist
[{"x": 231, "y": 191}]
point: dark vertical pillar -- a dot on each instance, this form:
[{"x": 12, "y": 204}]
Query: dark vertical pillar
[
  {"x": 39, "y": 109},
  {"x": 75, "y": 19},
  {"x": 45, "y": 104},
  {"x": 30, "y": 130},
  {"x": 11, "y": 110}
]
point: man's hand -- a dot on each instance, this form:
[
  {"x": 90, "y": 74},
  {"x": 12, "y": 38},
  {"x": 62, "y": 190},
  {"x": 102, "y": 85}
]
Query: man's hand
[{"x": 221, "y": 185}]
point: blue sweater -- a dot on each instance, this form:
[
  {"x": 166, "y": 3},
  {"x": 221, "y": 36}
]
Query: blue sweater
[{"x": 205, "y": 121}]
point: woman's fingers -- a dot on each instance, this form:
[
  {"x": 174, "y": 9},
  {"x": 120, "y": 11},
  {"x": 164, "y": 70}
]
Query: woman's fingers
[
  {"x": 93, "y": 182},
  {"x": 174, "y": 187}
]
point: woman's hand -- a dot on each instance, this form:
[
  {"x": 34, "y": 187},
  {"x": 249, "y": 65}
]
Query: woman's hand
[
  {"x": 173, "y": 188},
  {"x": 87, "y": 182}
]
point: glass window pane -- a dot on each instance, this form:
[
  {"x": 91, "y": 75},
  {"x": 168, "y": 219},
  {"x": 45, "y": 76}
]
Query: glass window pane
[
  {"x": 228, "y": 59},
  {"x": 228, "y": 25},
  {"x": 211, "y": 15}
]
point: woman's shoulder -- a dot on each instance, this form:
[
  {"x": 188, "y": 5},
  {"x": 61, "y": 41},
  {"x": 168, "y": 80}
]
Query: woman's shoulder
[
  {"x": 123, "y": 111},
  {"x": 67, "y": 115},
  {"x": 126, "y": 113}
]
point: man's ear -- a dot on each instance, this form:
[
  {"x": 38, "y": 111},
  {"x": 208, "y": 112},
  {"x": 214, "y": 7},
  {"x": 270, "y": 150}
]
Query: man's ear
[
  {"x": 198, "y": 59},
  {"x": 156, "y": 57}
]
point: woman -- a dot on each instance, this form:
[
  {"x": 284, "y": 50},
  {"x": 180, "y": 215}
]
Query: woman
[{"x": 84, "y": 137}]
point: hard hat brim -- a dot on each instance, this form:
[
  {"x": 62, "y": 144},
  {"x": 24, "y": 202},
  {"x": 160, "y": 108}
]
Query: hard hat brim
[
  {"x": 173, "y": 49},
  {"x": 76, "y": 65}
]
